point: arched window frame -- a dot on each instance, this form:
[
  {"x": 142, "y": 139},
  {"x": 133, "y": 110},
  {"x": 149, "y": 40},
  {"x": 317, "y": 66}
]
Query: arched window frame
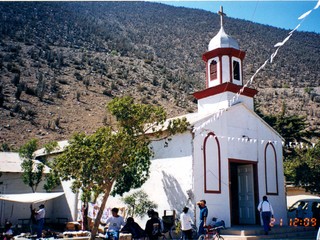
[
  {"x": 236, "y": 70},
  {"x": 213, "y": 69},
  {"x": 205, "y": 158},
  {"x": 270, "y": 144}
]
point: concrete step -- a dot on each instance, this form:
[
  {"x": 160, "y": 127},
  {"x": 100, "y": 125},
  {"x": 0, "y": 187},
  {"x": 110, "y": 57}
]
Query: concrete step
[{"x": 256, "y": 232}]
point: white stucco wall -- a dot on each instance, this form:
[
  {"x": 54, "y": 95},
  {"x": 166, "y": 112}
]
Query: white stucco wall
[
  {"x": 221, "y": 101},
  {"x": 170, "y": 178},
  {"x": 225, "y": 69},
  {"x": 232, "y": 129},
  {"x": 218, "y": 204}
]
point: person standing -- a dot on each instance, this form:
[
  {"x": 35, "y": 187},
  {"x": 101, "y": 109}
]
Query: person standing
[
  {"x": 153, "y": 225},
  {"x": 203, "y": 216},
  {"x": 40, "y": 215},
  {"x": 266, "y": 211},
  {"x": 114, "y": 223},
  {"x": 134, "y": 228},
  {"x": 33, "y": 220},
  {"x": 8, "y": 233},
  {"x": 186, "y": 222}
]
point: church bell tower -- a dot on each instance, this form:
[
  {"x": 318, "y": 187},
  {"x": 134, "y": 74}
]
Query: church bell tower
[
  {"x": 224, "y": 73},
  {"x": 223, "y": 59}
]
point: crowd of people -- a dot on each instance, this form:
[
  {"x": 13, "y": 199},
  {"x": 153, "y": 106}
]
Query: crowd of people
[
  {"x": 154, "y": 227},
  {"x": 116, "y": 224}
]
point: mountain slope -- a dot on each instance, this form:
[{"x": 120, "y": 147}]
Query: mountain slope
[{"x": 61, "y": 62}]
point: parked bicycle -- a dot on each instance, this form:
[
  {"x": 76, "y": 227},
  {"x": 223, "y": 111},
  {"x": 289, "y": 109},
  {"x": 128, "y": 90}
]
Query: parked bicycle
[
  {"x": 212, "y": 233},
  {"x": 176, "y": 232}
]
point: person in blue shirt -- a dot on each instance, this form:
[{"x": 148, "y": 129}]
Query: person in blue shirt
[{"x": 203, "y": 216}]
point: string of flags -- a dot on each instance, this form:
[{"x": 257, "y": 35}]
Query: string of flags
[
  {"x": 246, "y": 139},
  {"x": 271, "y": 58},
  {"x": 235, "y": 98}
]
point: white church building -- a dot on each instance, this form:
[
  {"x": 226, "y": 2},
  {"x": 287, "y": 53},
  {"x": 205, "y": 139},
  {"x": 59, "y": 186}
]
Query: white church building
[{"x": 230, "y": 157}]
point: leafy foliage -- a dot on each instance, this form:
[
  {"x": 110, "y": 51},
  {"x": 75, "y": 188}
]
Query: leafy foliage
[
  {"x": 32, "y": 173},
  {"x": 138, "y": 204},
  {"x": 292, "y": 128},
  {"x": 133, "y": 117},
  {"x": 52, "y": 180},
  {"x": 304, "y": 170},
  {"x": 27, "y": 150},
  {"x": 5, "y": 147},
  {"x": 49, "y": 147}
]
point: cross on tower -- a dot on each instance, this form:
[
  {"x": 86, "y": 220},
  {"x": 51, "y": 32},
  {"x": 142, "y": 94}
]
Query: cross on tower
[{"x": 222, "y": 14}]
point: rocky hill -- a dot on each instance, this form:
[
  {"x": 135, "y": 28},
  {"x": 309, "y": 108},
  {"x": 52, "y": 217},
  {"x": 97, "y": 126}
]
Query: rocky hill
[{"x": 61, "y": 62}]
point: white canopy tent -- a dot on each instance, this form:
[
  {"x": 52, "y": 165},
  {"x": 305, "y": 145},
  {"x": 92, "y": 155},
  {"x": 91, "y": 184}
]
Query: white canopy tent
[{"x": 30, "y": 197}]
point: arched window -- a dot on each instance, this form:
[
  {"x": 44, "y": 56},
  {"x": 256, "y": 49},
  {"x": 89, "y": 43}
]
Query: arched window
[
  {"x": 213, "y": 70},
  {"x": 271, "y": 171},
  {"x": 236, "y": 70},
  {"x": 212, "y": 164}
]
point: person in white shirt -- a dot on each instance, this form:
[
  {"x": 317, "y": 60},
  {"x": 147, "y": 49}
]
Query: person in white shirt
[
  {"x": 114, "y": 223},
  {"x": 186, "y": 222},
  {"x": 40, "y": 215},
  {"x": 266, "y": 211}
]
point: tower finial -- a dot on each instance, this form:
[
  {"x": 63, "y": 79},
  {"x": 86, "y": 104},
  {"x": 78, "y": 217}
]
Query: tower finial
[{"x": 222, "y": 14}]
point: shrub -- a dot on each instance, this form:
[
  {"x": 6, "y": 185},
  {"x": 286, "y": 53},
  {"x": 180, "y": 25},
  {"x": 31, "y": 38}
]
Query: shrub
[
  {"x": 78, "y": 95},
  {"x": 78, "y": 76},
  {"x": 30, "y": 91},
  {"x": 17, "y": 108},
  {"x": 12, "y": 67},
  {"x": 107, "y": 93},
  {"x": 63, "y": 81}
]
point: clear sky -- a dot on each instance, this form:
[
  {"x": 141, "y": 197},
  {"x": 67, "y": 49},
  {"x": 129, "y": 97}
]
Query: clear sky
[{"x": 282, "y": 14}]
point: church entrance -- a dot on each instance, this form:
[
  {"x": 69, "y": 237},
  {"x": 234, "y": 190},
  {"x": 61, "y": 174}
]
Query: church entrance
[{"x": 243, "y": 192}]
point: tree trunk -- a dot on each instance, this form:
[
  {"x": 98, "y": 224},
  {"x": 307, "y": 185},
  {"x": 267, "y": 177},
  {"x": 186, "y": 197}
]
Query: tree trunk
[
  {"x": 85, "y": 209},
  {"x": 100, "y": 212}
]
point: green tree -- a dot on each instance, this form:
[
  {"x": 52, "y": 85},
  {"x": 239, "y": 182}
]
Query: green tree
[
  {"x": 117, "y": 156},
  {"x": 52, "y": 178},
  {"x": 293, "y": 128},
  {"x": 304, "y": 170},
  {"x": 32, "y": 173},
  {"x": 138, "y": 204},
  {"x": 5, "y": 147}
]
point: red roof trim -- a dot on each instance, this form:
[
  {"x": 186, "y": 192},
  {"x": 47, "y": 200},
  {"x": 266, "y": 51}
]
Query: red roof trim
[
  {"x": 225, "y": 87},
  {"x": 223, "y": 51}
]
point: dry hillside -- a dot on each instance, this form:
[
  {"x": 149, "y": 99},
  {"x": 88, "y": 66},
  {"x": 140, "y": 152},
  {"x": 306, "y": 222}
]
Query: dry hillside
[{"x": 61, "y": 62}]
